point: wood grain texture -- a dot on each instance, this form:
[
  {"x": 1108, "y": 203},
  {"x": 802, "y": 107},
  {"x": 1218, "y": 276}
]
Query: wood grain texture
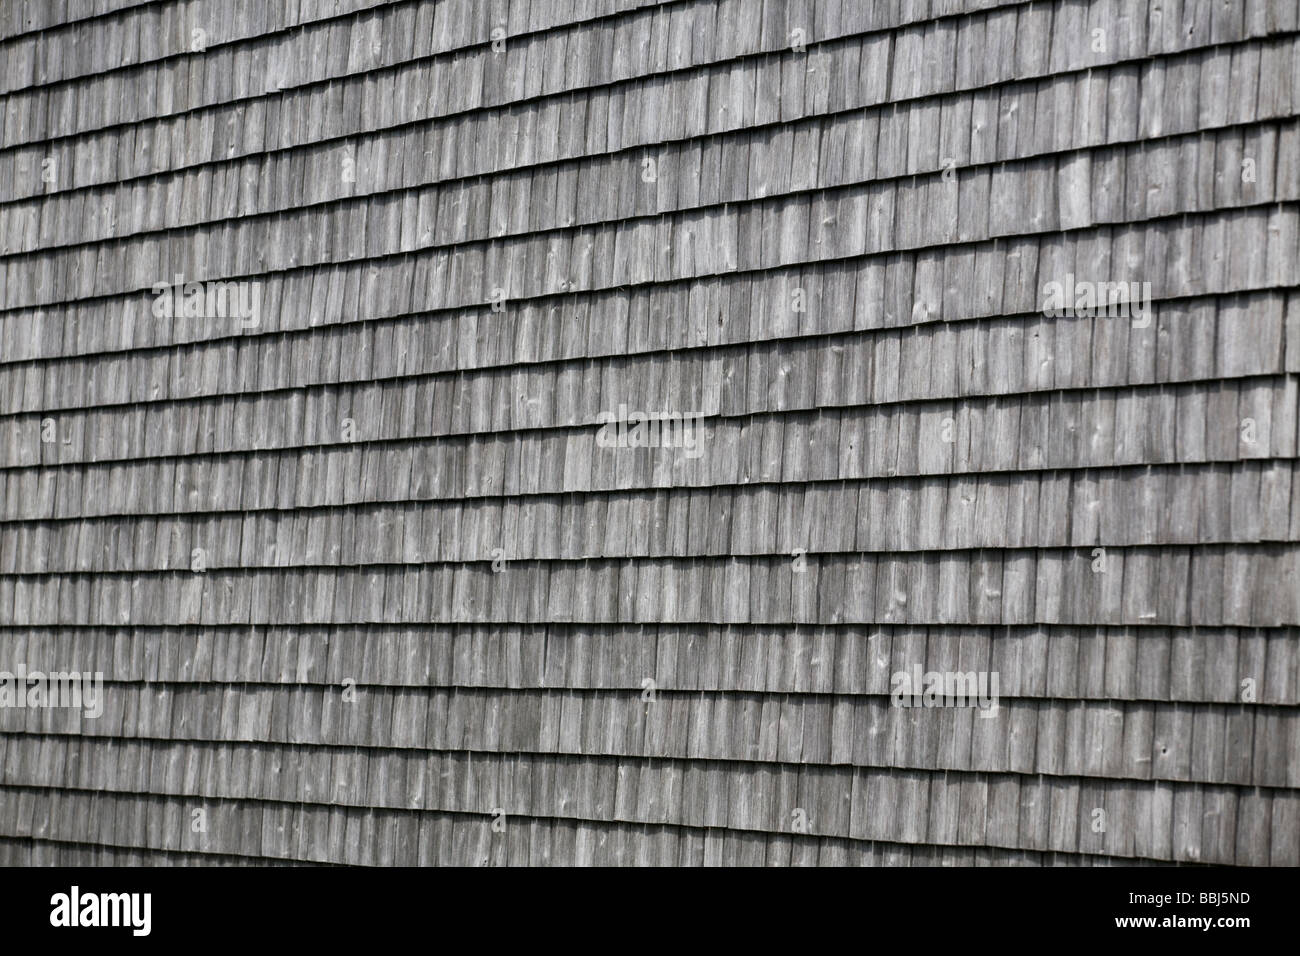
[{"x": 364, "y": 578}]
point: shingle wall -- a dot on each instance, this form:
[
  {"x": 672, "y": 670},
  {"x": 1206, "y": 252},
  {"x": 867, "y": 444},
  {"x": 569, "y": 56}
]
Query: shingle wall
[{"x": 365, "y": 583}]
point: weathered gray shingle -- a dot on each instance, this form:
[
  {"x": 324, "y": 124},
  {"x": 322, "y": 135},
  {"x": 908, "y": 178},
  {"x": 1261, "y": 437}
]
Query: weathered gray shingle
[{"x": 363, "y": 583}]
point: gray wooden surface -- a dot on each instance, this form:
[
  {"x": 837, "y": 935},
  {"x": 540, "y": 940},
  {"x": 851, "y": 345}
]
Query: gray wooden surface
[{"x": 437, "y": 622}]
